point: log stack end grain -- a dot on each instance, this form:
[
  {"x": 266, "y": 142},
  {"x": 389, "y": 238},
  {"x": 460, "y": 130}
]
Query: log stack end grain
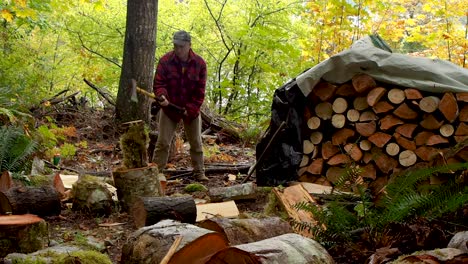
[{"x": 380, "y": 127}]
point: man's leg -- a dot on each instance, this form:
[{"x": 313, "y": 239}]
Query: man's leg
[
  {"x": 167, "y": 129},
  {"x": 193, "y": 133}
]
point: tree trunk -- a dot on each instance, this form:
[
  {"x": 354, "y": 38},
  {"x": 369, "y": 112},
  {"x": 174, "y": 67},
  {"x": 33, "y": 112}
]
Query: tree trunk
[{"x": 138, "y": 60}]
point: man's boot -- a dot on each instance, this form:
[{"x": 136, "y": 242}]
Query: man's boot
[{"x": 200, "y": 176}]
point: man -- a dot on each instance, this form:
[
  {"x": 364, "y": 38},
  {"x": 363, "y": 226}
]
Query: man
[{"x": 180, "y": 80}]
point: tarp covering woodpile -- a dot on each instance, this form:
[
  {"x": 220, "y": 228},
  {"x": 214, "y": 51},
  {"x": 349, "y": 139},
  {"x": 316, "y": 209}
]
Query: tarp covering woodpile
[{"x": 367, "y": 106}]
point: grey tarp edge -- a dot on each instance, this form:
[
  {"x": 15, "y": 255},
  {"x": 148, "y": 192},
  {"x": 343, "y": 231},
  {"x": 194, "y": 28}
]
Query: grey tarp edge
[{"x": 432, "y": 75}]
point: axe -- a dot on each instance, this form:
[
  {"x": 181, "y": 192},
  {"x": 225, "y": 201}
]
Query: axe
[{"x": 134, "y": 98}]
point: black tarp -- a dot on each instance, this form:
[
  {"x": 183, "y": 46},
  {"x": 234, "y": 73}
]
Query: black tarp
[{"x": 281, "y": 160}]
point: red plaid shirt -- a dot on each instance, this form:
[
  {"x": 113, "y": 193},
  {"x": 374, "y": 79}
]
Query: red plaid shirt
[{"x": 183, "y": 85}]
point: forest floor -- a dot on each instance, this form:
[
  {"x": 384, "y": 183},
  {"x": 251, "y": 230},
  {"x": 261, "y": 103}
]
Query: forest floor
[{"x": 102, "y": 154}]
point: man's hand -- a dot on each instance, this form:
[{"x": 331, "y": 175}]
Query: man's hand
[{"x": 163, "y": 101}]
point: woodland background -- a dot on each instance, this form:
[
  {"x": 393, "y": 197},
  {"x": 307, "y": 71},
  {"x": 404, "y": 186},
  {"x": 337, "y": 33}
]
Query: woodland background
[{"x": 251, "y": 46}]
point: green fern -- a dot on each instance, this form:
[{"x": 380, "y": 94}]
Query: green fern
[{"x": 15, "y": 149}]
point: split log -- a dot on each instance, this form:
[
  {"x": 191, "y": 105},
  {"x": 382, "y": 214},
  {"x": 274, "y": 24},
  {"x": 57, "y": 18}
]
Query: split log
[
  {"x": 369, "y": 171},
  {"x": 462, "y": 97},
  {"x": 324, "y": 110},
  {"x": 360, "y": 103},
  {"x": 366, "y": 129},
  {"x": 462, "y": 130},
  {"x": 329, "y": 150},
  {"x": 134, "y": 183},
  {"x": 196, "y": 246},
  {"x": 404, "y": 142},
  {"x": 422, "y": 137},
  {"x": 384, "y": 162},
  {"x": 405, "y": 112},
  {"x": 430, "y": 122},
  {"x": 316, "y": 166},
  {"x": 287, "y": 248},
  {"x": 436, "y": 140},
  {"x": 463, "y": 116},
  {"x": 304, "y": 161},
  {"x": 241, "y": 231},
  {"x": 342, "y": 136},
  {"x": 345, "y": 90},
  {"x": 339, "y": 159},
  {"x": 324, "y": 90},
  {"x": 379, "y": 139},
  {"x": 389, "y": 121},
  {"x": 426, "y": 153},
  {"x": 448, "y": 107},
  {"x": 353, "y": 151},
  {"x": 413, "y": 94},
  {"x": 382, "y": 107},
  {"x": 42, "y": 201},
  {"x": 368, "y": 116},
  {"x": 22, "y": 233},
  {"x": 335, "y": 173},
  {"x": 150, "y": 210},
  {"x": 245, "y": 191},
  {"x": 363, "y": 83},
  {"x": 307, "y": 146},
  {"x": 406, "y": 130},
  {"x": 6, "y": 181},
  {"x": 375, "y": 95}
]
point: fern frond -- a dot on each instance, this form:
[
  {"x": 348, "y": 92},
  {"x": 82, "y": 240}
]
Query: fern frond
[{"x": 15, "y": 149}]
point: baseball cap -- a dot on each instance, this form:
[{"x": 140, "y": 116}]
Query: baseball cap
[{"x": 180, "y": 37}]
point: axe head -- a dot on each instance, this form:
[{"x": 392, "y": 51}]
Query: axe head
[{"x": 133, "y": 91}]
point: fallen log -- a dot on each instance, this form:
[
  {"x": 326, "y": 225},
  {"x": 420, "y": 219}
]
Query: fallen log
[
  {"x": 244, "y": 191},
  {"x": 22, "y": 233},
  {"x": 150, "y": 210},
  {"x": 42, "y": 201},
  {"x": 150, "y": 244},
  {"x": 287, "y": 248},
  {"x": 241, "y": 231}
]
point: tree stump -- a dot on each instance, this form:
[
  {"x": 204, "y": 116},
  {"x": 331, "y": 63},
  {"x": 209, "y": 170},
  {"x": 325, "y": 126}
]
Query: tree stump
[
  {"x": 287, "y": 248},
  {"x": 150, "y": 210},
  {"x": 22, "y": 233},
  {"x": 241, "y": 231},
  {"x": 150, "y": 244},
  {"x": 91, "y": 195},
  {"x": 137, "y": 182},
  {"x": 42, "y": 201}
]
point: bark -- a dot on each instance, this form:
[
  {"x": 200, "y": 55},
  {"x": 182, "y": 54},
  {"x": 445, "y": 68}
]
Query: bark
[{"x": 42, "y": 201}]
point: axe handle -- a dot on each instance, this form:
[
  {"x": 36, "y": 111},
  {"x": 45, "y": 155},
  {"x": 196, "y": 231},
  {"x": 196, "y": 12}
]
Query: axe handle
[
  {"x": 171, "y": 105},
  {"x": 146, "y": 93}
]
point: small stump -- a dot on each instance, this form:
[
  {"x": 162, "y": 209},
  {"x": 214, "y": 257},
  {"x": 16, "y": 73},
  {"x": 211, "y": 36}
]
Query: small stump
[
  {"x": 22, "y": 233},
  {"x": 92, "y": 196}
]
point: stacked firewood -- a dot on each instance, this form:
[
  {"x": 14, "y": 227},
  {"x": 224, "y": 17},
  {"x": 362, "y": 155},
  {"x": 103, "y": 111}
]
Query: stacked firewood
[{"x": 379, "y": 128}]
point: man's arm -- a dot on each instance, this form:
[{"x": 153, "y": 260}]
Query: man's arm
[{"x": 198, "y": 96}]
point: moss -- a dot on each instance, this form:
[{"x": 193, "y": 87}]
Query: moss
[
  {"x": 40, "y": 180},
  {"x": 84, "y": 257},
  {"x": 273, "y": 207},
  {"x": 134, "y": 144},
  {"x": 29, "y": 260},
  {"x": 195, "y": 187}
]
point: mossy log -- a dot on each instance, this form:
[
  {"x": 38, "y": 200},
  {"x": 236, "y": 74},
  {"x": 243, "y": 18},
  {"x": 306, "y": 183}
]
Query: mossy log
[
  {"x": 134, "y": 144},
  {"x": 92, "y": 196},
  {"x": 134, "y": 183},
  {"x": 42, "y": 201},
  {"x": 22, "y": 233},
  {"x": 150, "y": 244},
  {"x": 287, "y": 248},
  {"x": 241, "y": 231},
  {"x": 244, "y": 191},
  {"x": 150, "y": 210}
]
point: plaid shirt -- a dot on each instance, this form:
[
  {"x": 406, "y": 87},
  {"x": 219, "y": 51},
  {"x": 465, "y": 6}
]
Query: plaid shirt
[{"x": 183, "y": 85}]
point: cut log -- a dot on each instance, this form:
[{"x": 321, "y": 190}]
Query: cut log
[
  {"x": 448, "y": 107},
  {"x": 426, "y": 153},
  {"x": 353, "y": 151},
  {"x": 313, "y": 122},
  {"x": 462, "y": 130},
  {"x": 363, "y": 83},
  {"x": 384, "y": 162},
  {"x": 197, "y": 244},
  {"x": 375, "y": 95},
  {"x": 382, "y": 107},
  {"x": 90, "y": 195},
  {"x": 353, "y": 115},
  {"x": 413, "y": 94},
  {"x": 368, "y": 116},
  {"x": 389, "y": 121},
  {"x": 338, "y": 120},
  {"x": 430, "y": 122},
  {"x": 360, "y": 103},
  {"x": 429, "y": 104},
  {"x": 290, "y": 196},
  {"x": 342, "y": 136},
  {"x": 287, "y": 248},
  {"x": 462, "y": 97},
  {"x": 316, "y": 137},
  {"x": 379, "y": 139},
  {"x": 324, "y": 90},
  {"x": 339, "y": 159},
  {"x": 463, "y": 117},
  {"x": 148, "y": 211},
  {"x": 316, "y": 166},
  {"x": 436, "y": 140},
  {"x": 396, "y": 96},
  {"x": 392, "y": 149},
  {"x": 422, "y": 137},
  {"x": 365, "y": 145},
  {"x": 366, "y": 129},
  {"x": 329, "y": 150},
  {"x": 324, "y": 110},
  {"x": 245, "y": 191},
  {"x": 6, "y": 181},
  {"x": 307, "y": 146},
  {"x": 403, "y": 111},
  {"x": 346, "y": 90},
  {"x": 42, "y": 201},
  {"x": 304, "y": 161},
  {"x": 369, "y": 171},
  {"x": 340, "y": 105},
  {"x": 447, "y": 130},
  {"x": 134, "y": 183},
  {"x": 404, "y": 142},
  {"x": 407, "y": 158},
  {"x": 241, "y": 231},
  {"x": 406, "y": 130},
  {"x": 22, "y": 233}
]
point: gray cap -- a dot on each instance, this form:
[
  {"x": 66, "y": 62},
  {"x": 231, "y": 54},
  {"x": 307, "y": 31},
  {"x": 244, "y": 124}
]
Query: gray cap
[{"x": 181, "y": 37}]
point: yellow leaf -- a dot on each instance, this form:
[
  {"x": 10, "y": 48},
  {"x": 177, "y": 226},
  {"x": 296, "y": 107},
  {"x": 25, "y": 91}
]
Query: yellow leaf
[
  {"x": 447, "y": 36},
  {"x": 410, "y": 22},
  {"x": 21, "y": 3},
  {"x": 26, "y": 12},
  {"x": 7, "y": 15}
]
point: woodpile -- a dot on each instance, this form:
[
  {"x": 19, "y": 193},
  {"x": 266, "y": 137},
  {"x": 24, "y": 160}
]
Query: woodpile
[{"x": 379, "y": 129}]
